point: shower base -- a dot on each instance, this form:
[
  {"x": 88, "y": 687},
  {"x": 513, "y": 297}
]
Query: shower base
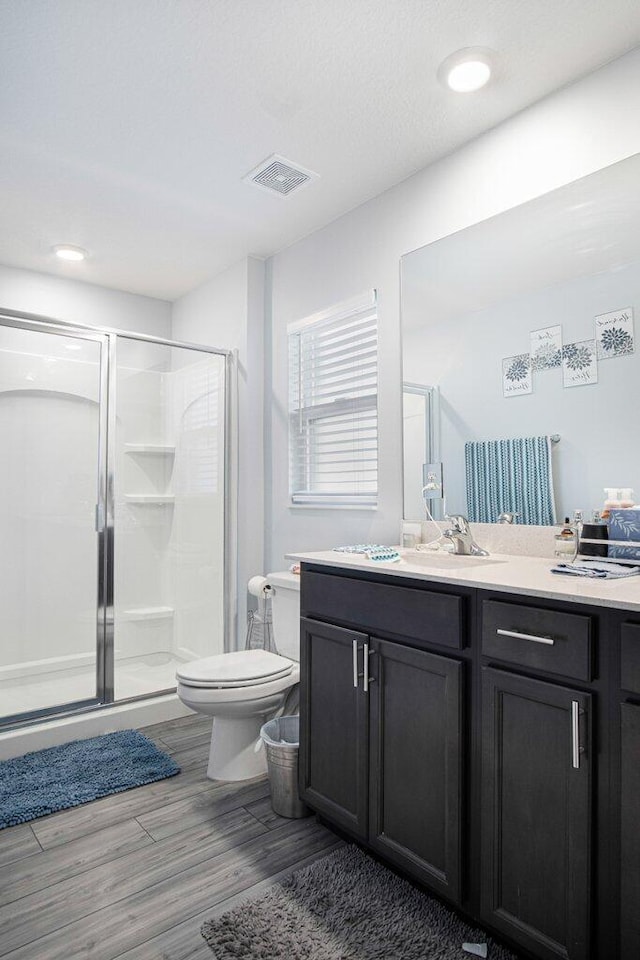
[{"x": 134, "y": 677}]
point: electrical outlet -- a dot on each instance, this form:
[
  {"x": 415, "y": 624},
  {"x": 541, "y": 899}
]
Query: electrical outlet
[{"x": 432, "y": 481}]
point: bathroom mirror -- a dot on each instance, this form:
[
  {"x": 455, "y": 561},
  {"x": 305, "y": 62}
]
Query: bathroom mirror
[{"x": 564, "y": 267}]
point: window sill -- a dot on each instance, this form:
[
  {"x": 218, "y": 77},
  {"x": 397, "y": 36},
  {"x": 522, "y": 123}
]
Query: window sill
[{"x": 333, "y": 506}]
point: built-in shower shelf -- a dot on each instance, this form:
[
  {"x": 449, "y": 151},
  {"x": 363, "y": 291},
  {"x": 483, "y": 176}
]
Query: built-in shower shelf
[
  {"x": 149, "y": 499},
  {"x": 165, "y": 449},
  {"x": 147, "y": 613}
]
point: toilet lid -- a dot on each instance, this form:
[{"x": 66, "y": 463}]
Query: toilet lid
[{"x": 244, "y": 668}]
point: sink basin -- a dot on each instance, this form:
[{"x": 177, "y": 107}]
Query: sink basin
[{"x": 439, "y": 560}]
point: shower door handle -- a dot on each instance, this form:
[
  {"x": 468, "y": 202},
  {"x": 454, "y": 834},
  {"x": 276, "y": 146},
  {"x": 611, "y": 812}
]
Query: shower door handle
[{"x": 99, "y": 518}]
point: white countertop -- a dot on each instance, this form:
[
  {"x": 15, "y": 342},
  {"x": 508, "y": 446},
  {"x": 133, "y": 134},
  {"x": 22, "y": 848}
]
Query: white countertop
[{"x": 525, "y": 576}]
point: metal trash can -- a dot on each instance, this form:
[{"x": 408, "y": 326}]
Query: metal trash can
[{"x": 281, "y": 739}]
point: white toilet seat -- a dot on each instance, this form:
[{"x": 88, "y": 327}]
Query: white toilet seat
[
  {"x": 191, "y": 693},
  {"x": 234, "y": 671}
]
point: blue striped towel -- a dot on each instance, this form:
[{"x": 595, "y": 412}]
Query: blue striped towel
[{"x": 513, "y": 476}]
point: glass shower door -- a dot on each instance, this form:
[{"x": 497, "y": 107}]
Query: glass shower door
[
  {"x": 52, "y": 438},
  {"x": 169, "y": 506}
]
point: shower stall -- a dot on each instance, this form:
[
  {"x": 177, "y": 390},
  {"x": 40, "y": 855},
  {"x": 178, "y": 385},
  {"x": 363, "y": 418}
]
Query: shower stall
[{"x": 114, "y": 525}]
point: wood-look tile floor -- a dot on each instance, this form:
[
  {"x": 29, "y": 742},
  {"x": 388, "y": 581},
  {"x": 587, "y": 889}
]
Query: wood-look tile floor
[{"x": 134, "y": 875}]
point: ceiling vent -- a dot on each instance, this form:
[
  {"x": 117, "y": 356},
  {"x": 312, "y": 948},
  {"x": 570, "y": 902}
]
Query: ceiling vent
[{"x": 280, "y": 176}]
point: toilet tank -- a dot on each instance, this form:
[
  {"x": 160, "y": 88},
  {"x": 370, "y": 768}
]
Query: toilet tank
[{"x": 285, "y": 610}]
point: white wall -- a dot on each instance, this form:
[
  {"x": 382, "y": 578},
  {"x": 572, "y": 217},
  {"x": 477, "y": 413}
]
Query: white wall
[
  {"x": 86, "y": 303},
  {"x": 576, "y": 131},
  {"x": 228, "y": 312}
]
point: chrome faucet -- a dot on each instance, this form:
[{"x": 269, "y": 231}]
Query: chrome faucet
[{"x": 462, "y": 539}]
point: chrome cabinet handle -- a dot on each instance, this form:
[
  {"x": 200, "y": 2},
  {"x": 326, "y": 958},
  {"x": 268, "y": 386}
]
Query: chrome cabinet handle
[
  {"x": 366, "y": 678},
  {"x": 525, "y": 636},
  {"x": 575, "y": 734}
]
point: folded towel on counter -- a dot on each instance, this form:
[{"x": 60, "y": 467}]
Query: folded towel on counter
[
  {"x": 372, "y": 551},
  {"x": 360, "y": 548},
  {"x": 387, "y": 554},
  {"x": 602, "y": 569}
]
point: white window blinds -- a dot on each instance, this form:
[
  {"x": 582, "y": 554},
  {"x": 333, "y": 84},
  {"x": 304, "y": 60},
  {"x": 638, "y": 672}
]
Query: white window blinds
[{"x": 333, "y": 405}]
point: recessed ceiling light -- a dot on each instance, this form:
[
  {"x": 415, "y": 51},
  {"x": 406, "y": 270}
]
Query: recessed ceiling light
[
  {"x": 67, "y": 252},
  {"x": 466, "y": 70}
]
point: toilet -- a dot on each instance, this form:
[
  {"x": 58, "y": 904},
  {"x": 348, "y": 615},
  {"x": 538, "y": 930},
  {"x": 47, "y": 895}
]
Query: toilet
[{"x": 244, "y": 689}]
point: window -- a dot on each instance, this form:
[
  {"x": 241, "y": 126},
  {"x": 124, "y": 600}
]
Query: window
[{"x": 333, "y": 405}]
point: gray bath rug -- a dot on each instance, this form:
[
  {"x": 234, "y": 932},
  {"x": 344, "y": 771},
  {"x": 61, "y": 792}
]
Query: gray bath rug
[{"x": 344, "y": 907}]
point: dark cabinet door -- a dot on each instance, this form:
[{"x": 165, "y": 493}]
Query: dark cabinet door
[
  {"x": 536, "y": 781},
  {"x": 630, "y": 831},
  {"x": 415, "y": 763},
  {"x": 333, "y": 724}
]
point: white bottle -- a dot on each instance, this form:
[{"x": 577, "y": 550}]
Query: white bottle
[
  {"x": 611, "y": 502},
  {"x": 626, "y": 497}
]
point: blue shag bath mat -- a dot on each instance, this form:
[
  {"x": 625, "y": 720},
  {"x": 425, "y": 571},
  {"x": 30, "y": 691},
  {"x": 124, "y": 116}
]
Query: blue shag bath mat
[{"x": 60, "y": 777}]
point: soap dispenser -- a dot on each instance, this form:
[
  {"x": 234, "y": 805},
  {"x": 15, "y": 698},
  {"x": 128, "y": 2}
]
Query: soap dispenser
[
  {"x": 626, "y": 498},
  {"x": 611, "y": 502}
]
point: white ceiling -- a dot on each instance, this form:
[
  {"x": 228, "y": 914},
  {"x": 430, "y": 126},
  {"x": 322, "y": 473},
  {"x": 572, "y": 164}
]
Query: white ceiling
[{"x": 126, "y": 126}]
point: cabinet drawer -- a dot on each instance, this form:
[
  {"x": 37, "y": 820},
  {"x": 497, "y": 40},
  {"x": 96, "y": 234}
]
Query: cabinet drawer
[
  {"x": 630, "y": 656},
  {"x": 421, "y": 616},
  {"x": 541, "y": 639}
]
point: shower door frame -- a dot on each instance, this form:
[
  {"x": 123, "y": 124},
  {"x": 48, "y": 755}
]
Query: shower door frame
[{"x": 107, "y": 337}]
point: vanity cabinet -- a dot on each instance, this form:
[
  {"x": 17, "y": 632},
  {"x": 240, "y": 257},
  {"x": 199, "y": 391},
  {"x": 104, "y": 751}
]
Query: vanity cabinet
[
  {"x": 334, "y": 715},
  {"x": 485, "y": 743},
  {"x": 415, "y": 763},
  {"x": 630, "y": 831},
  {"x": 630, "y": 791},
  {"x": 536, "y": 813},
  {"x": 381, "y": 736},
  {"x": 533, "y": 638}
]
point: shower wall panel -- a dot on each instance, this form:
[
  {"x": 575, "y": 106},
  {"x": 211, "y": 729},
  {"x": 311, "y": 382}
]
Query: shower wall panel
[{"x": 49, "y": 436}]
